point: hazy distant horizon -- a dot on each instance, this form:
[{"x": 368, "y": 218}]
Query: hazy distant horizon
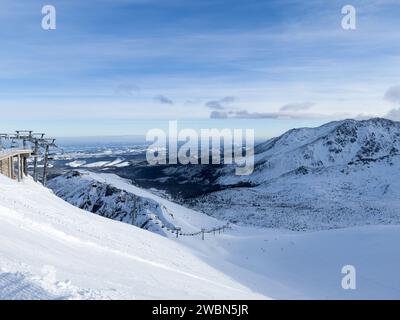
[{"x": 263, "y": 128}]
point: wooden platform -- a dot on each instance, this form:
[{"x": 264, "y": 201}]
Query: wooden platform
[{"x": 13, "y": 163}]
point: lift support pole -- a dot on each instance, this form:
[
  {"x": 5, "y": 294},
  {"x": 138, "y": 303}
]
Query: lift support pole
[{"x": 46, "y": 161}]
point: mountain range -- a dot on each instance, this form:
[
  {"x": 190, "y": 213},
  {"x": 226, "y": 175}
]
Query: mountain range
[{"x": 341, "y": 174}]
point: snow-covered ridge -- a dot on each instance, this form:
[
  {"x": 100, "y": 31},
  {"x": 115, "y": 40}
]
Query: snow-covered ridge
[
  {"x": 112, "y": 197},
  {"x": 334, "y": 144},
  {"x": 82, "y": 190}
]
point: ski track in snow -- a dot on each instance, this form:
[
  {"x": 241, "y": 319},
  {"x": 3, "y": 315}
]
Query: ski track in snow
[
  {"x": 61, "y": 236},
  {"x": 16, "y": 286}
]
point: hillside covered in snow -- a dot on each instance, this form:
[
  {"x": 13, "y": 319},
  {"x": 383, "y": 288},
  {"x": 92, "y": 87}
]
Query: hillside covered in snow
[
  {"x": 342, "y": 174},
  {"x": 115, "y": 198},
  {"x": 53, "y": 250},
  {"x": 110, "y": 239}
]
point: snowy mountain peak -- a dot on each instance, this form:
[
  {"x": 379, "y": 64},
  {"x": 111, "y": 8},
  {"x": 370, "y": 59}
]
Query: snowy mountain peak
[
  {"x": 341, "y": 174},
  {"x": 336, "y": 143}
]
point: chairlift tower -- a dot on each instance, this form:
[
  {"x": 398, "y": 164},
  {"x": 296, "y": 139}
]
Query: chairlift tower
[
  {"x": 37, "y": 141},
  {"x": 25, "y": 136},
  {"x": 3, "y": 136},
  {"x": 36, "y": 138},
  {"x": 46, "y": 143}
]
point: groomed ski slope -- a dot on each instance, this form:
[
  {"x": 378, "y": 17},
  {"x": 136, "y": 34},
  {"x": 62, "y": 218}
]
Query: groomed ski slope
[
  {"x": 52, "y": 250},
  {"x": 291, "y": 265}
]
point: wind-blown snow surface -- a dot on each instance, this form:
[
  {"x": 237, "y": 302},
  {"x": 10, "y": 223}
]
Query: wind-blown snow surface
[
  {"x": 341, "y": 174},
  {"x": 52, "y": 250}
]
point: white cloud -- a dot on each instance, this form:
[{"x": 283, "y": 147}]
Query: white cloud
[
  {"x": 393, "y": 94},
  {"x": 126, "y": 89},
  {"x": 163, "y": 99},
  {"x": 297, "y": 106},
  {"x": 275, "y": 115},
  {"x": 220, "y": 104},
  {"x": 393, "y": 114}
]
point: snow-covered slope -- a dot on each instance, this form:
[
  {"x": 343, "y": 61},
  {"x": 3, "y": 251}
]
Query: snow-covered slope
[
  {"x": 51, "y": 249},
  {"x": 113, "y": 197},
  {"x": 287, "y": 265},
  {"x": 341, "y": 174}
]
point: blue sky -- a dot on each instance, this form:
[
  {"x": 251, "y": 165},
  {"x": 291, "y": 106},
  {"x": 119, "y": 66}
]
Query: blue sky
[{"x": 125, "y": 66}]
